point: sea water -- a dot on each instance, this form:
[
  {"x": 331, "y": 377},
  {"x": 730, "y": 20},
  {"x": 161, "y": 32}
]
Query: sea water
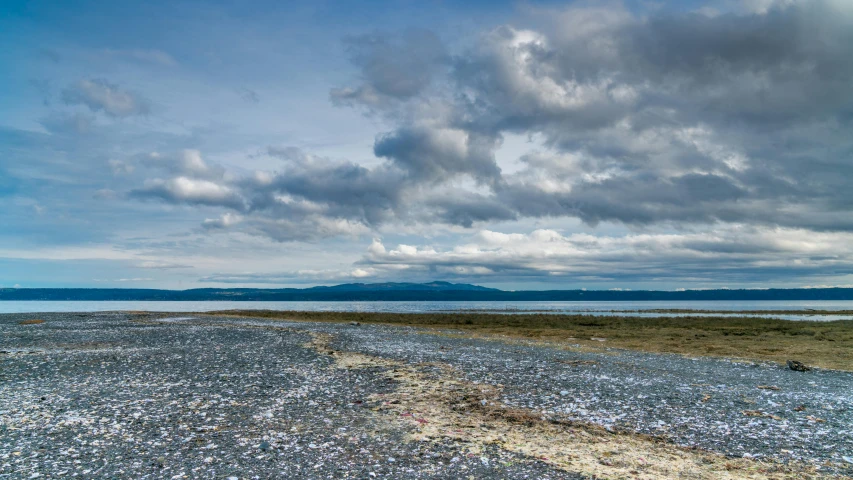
[{"x": 638, "y": 309}]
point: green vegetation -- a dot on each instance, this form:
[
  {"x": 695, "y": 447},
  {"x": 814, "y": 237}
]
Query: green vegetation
[{"x": 820, "y": 344}]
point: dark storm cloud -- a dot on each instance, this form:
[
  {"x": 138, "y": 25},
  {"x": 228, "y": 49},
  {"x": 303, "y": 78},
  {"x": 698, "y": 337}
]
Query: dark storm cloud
[
  {"x": 692, "y": 148},
  {"x": 312, "y": 185},
  {"x": 391, "y": 67},
  {"x": 338, "y": 190},
  {"x": 682, "y": 119},
  {"x": 432, "y": 155},
  {"x": 671, "y": 119},
  {"x": 636, "y": 200},
  {"x": 466, "y": 209},
  {"x": 787, "y": 65}
]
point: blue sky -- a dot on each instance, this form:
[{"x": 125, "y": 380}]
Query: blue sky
[{"x": 519, "y": 145}]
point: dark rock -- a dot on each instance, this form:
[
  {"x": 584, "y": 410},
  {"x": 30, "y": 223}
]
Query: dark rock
[
  {"x": 797, "y": 366},
  {"x": 264, "y": 446}
]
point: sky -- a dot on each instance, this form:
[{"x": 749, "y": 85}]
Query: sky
[{"x": 519, "y": 145}]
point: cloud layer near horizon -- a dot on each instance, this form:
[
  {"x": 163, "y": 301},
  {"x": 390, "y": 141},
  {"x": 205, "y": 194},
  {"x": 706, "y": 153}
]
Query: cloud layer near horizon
[{"x": 708, "y": 146}]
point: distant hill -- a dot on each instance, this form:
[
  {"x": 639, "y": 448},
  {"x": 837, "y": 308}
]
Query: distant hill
[
  {"x": 391, "y": 286},
  {"x": 433, "y": 291}
]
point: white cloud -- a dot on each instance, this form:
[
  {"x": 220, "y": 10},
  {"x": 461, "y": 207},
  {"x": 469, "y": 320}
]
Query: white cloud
[
  {"x": 122, "y": 280},
  {"x": 192, "y": 191},
  {"x": 160, "y": 265},
  {"x": 225, "y": 221},
  {"x": 105, "y": 194},
  {"x": 594, "y": 118},
  {"x": 734, "y": 252},
  {"x": 187, "y": 162},
  {"x": 145, "y": 55},
  {"x": 100, "y": 95}
]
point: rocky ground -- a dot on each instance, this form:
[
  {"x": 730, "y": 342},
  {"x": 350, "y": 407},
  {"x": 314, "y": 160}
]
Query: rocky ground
[{"x": 127, "y": 395}]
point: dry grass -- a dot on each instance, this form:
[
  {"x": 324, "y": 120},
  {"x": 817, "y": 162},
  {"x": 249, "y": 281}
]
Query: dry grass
[
  {"x": 820, "y": 344},
  {"x": 751, "y": 312},
  {"x": 34, "y": 321},
  {"x": 437, "y": 407}
]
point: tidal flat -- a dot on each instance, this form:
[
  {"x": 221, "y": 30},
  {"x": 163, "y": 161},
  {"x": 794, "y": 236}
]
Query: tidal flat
[
  {"x": 144, "y": 395},
  {"x": 817, "y": 343}
]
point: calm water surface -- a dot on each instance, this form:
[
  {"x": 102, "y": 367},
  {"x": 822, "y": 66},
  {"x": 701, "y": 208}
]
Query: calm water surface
[{"x": 593, "y": 308}]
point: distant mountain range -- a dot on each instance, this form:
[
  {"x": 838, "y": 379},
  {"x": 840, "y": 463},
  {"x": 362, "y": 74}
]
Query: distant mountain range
[
  {"x": 433, "y": 291},
  {"x": 408, "y": 287}
]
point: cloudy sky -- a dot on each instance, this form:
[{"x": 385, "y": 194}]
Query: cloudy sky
[{"x": 532, "y": 145}]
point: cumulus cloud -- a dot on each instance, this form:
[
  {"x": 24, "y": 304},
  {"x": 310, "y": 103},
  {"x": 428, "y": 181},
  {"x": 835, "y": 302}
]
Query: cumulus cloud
[
  {"x": 309, "y": 185},
  {"x": 435, "y": 154},
  {"x": 678, "y": 121},
  {"x": 310, "y": 197},
  {"x": 223, "y": 222},
  {"x": 188, "y": 162},
  {"x": 719, "y": 139},
  {"x": 185, "y": 190},
  {"x": 464, "y": 208},
  {"x": 391, "y": 66},
  {"x": 667, "y": 118},
  {"x": 102, "y": 96},
  {"x": 655, "y": 120},
  {"x": 515, "y": 82}
]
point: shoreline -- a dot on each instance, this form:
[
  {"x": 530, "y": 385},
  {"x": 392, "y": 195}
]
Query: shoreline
[
  {"x": 826, "y": 345},
  {"x": 216, "y": 396}
]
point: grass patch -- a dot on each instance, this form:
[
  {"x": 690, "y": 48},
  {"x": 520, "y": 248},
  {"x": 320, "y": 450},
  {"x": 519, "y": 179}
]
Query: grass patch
[
  {"x": 819, "y": 344},
  {"x": 34, "y": 321}
]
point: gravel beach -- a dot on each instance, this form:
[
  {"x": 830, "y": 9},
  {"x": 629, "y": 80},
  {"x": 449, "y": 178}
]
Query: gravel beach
[{"x": 131, "y": 395}]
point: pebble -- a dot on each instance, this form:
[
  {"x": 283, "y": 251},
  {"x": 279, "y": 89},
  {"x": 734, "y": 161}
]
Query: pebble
[
  {"x": 655, "y": 394},
  {"x": 200, "y": 396}
]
